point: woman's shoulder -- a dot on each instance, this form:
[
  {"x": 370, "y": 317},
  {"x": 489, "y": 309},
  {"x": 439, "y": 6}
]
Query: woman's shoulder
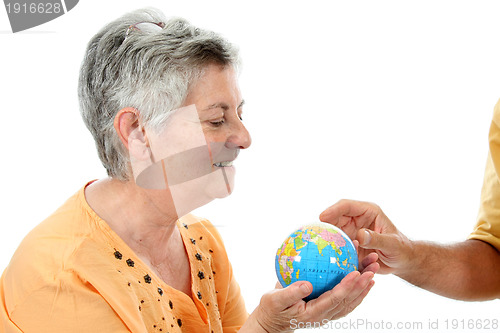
[
  {"x": 43, "y": 259},
  {"x": 46, "y": 249}
]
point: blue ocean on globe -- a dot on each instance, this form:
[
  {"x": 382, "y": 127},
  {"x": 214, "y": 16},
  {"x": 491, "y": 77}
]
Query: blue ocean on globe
[{"x": 319, "y": 253}]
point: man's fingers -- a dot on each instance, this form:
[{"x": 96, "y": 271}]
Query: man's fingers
[
  {"x": 367, "y": 261},
  {"x": 342, "y": 208},
  {"x": 356, "y": 245},
  {"x": 374, "y": 267},
  {"x": 343, "y": 211}
]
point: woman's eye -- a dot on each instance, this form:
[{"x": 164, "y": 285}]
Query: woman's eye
[{"x": 217, "y": 123}]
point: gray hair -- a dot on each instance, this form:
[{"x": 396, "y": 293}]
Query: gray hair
[{"x": 150, "y": 71}]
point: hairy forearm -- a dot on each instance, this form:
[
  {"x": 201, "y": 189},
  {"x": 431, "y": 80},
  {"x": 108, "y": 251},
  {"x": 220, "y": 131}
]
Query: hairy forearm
[{"x": 469, "y": 270}]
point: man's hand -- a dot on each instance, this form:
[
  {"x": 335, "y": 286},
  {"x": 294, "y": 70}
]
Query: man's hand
[{"x": 368, "y": 224}]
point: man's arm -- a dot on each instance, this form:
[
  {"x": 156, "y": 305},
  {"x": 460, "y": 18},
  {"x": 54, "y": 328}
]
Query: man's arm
[{"x": 468, "y": 271}]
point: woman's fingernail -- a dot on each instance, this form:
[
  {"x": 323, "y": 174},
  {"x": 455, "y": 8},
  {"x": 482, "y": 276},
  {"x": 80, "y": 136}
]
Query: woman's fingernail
[{"x": 305, "y": 288}]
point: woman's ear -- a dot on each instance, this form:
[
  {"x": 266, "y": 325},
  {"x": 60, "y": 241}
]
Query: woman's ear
[{"x": 131, "y": 134}]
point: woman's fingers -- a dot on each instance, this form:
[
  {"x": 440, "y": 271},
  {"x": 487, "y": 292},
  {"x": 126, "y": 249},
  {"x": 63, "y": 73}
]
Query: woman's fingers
[
  {"x": 278, "y": 307},
  {"x": 350, "y": 301},
  {"x": 340, "y": 299},
  {"x": 357, "y": 301},
  {"x": 286, "y": 297}
]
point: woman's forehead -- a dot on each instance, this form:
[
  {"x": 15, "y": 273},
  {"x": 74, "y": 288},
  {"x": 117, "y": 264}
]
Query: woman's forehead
[{"x": 217, "y": 85}]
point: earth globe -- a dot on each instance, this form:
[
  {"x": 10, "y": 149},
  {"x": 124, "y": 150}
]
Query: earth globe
[{"x": 319, "y": 253}]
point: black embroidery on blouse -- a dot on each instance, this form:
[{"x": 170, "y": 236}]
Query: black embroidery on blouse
[
  {"x": 210, "y": 250},
  {"x": 147, "y": 278},
  {"x": 170, "y": 304},
  {"x": 118, "y": 255},
  {"x": 193, "y": 240},
  {"x": 185, "y": 225},
  {"x": 201, "y": 275},
  {"x": 198, "y": 256},
  {"x": 160, "y": 291},
  {"x": 199, "y": 295},
  {"x": 130, "y": 262},
  {"x": 179, "y": 322}
]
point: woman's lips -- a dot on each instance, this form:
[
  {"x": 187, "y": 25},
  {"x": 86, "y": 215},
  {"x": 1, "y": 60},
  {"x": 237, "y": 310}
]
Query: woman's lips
[{"x": 223, "y": 164}]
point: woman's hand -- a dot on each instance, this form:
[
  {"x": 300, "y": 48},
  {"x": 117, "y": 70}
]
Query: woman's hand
[{"x": 282, "y": 310}]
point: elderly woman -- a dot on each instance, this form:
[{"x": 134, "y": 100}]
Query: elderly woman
[{"x": 162, "y": 101}]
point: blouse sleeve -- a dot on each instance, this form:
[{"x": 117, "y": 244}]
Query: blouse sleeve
[
  {"x": 487, "y": 228},
  {"x": 67, "y": 305}
]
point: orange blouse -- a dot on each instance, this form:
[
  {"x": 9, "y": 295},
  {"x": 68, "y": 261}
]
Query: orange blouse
[{"x": 72, "y": 273}]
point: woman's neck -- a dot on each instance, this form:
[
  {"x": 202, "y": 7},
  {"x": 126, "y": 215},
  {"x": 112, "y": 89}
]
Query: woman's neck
[{"x": 142, "y": 221}]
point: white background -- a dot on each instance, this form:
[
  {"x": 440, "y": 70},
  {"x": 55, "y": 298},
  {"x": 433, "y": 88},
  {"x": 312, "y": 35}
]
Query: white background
[{"x": 384, "y": 101}]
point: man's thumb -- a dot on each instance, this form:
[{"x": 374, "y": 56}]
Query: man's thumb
[{"x": 369, "y": 239}]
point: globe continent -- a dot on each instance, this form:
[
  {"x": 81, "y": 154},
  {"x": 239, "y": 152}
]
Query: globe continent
[{"x": 319, "y": 253}]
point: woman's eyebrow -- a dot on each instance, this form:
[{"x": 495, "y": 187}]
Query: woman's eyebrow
[{"x": 222, "y": 105}]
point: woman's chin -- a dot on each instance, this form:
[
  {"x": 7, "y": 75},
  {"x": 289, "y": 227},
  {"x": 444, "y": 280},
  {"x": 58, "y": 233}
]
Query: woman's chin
[{"x": 222, "y": 183}]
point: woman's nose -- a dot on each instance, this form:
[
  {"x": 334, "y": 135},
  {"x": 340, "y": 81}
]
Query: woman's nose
[{"x": 239, "y": 136}]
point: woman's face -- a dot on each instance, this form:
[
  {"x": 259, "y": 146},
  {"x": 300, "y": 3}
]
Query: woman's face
[
  {"x": 200, "y": 141},
  {"x": 219, "y": 104}
]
